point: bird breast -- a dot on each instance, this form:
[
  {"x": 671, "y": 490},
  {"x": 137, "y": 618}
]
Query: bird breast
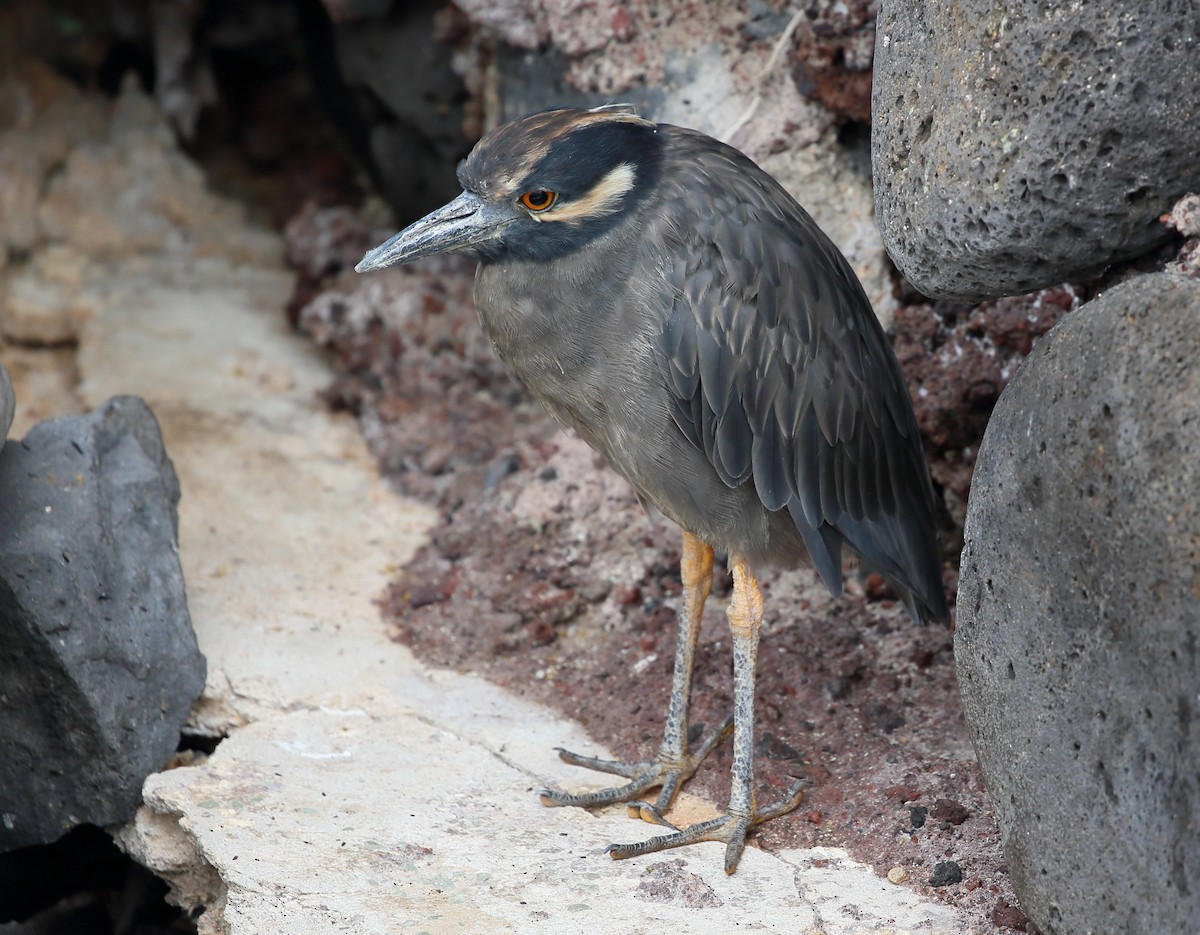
[{"x": 571, "y": 331}]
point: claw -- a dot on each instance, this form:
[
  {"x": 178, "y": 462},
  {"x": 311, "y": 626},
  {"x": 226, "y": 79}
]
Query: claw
[
  {"x": 647, "y": 812},
  {"x": 674, "y": 765}
]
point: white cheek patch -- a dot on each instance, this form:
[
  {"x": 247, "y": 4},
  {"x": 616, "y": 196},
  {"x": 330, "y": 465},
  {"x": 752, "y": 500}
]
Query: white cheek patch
[{"x": 603, "y": 198}]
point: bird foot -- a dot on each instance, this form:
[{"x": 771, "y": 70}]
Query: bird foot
[
  {"x": 666, "y": 770},
  {"x": 732, "y": 829}
]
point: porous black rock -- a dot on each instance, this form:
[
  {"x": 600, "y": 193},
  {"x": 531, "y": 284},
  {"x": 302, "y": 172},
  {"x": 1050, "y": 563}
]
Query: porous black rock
[
  {"x": 946, "y": 873},
  {"x": 98, "y": 661},
  {"x": 1023, "y": 144},
  {"x": 1078, "y": 635}
]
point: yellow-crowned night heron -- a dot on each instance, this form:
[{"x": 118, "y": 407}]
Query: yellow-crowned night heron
[{"x": 664, "y": 296}]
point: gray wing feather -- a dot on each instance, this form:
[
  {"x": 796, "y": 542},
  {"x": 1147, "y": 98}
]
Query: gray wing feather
[{"x": 779, "y": 372}]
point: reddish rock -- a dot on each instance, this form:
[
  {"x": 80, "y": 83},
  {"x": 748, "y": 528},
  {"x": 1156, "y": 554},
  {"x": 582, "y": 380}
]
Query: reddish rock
[
  {"x": 956, "y": 360},
  {"x": 949, "y": 811},
  {"x": 1185, "y": 218},
  {"x": 832, "y": 52},
  {"x": 622, "y": 24},
  {"x": 626, "y": 594},
  {"x": 1009, "y": 917},
  {"x": 902, "y": 793}
]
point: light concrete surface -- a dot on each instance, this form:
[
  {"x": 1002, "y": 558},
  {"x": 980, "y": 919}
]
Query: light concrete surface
[{"x": 357, "y": 790}]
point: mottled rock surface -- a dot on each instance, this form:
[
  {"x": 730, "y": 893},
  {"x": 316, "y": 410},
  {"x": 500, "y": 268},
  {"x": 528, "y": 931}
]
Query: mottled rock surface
[
  {"x": 98, "y": 661},
  {"x": 956, "y": 360},
  {"x": 1020, "y": 145},
  {"x": 1185, "y": 218},
  {"x": 1078, "y": 640},
  {"x": 42, "y": 117},
  {"x": 133, "y": 190},
  {"x": 47, "y": 298},
  {"x": 832, "y": 54},
  {"x": 85, "y": 181}
]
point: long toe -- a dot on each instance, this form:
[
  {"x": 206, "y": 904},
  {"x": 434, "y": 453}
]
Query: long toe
[
  {"x": 665, "y": 771},
  {"x": 551, "y": 798},
  {"x": 615, "y": 767},
  {"x": 730, "y": 829}
]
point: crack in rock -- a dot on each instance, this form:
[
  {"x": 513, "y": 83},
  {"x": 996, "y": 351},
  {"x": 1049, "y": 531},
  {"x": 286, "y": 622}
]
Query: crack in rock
[{"x": 159, "y": 842}]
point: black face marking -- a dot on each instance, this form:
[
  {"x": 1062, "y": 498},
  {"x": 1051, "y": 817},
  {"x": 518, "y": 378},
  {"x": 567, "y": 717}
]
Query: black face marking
[
  {"x": 574, "y": 164},
  {"x": 568, "y": 154}
]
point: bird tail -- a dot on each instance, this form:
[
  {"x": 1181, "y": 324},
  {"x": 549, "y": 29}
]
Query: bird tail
[{"x": 928, "y": 607}]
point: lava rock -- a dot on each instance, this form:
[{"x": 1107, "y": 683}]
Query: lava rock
[
  {"x": 668, "y": 882},
  {"x": 1023, "y": 144},
  {"x": 98, "y": 662},
  {"x": 1078, "y": 638},
  {"x": 528, "y": 79},
  {"x": 946, "y": 873},
  {"x": 950, "y": 812},
  {"x": 8, "y": 404},
  {"x": 832, "y": 54},
  {"x": 1185, "y": 218},
  {"x": 1009, "y": 917}
]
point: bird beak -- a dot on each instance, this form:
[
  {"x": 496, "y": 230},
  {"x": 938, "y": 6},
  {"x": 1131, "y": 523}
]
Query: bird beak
[{"x": 466, "y": 221}]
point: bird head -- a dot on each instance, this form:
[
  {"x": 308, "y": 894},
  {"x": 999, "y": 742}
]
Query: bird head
[{"x": 537, "y": 188}]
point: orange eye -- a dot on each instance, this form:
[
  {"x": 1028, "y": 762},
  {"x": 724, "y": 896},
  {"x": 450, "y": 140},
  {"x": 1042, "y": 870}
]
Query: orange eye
[{"x": 538, "y": 200}]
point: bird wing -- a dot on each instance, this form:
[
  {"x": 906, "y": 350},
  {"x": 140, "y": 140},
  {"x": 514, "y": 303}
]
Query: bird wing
[{"x": 780, "y": 373}]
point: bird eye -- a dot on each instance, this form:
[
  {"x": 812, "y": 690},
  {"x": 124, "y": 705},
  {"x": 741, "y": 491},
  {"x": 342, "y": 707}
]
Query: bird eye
[{"x": 538, "y": 200}]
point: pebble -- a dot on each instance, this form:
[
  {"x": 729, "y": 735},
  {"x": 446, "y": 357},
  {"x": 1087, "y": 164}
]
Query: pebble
[
  {"x": 945, "y": 874},
  {"x": 897, "y": 875},
  {"x": 949, "y": 811}
]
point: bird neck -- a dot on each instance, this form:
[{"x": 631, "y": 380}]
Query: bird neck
[{"x": 558, "y": 317}]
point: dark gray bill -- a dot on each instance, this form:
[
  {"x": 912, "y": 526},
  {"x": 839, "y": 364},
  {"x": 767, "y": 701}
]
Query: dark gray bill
[{"x": 464, "y": 222}]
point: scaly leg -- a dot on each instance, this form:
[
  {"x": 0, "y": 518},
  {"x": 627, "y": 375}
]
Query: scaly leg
[
  {"x": 745, "y": 620},
  {"x": 674, "y": 763}
]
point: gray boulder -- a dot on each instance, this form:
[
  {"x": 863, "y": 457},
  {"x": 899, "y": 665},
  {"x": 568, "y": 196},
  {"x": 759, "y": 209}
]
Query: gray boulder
[
  {"x": 1078, "y": 639},
  {"x": 8, "y": 404},
  {"x": 1023, "y": 144},
  {"x": 98, "y": 662}
]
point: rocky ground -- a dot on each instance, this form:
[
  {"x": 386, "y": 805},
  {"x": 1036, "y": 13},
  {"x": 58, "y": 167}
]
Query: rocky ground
[
  {"x": 287, "y": 537},
  {"x": 545, "y": 575},
  {"x": 511, "y": 555}
]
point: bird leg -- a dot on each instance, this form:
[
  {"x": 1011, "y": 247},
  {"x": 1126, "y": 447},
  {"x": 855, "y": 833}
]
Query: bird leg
[
  {"x": 745, "y": 619},
  {"x": 674, "y": 764}
]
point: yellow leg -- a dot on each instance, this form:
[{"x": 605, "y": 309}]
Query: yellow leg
[
  {"x": 696, "y": 571},
  {"x": 745, "y": 621},
  {"x": 745, "y": 610},
  {"x": 674, "y": 763}
]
